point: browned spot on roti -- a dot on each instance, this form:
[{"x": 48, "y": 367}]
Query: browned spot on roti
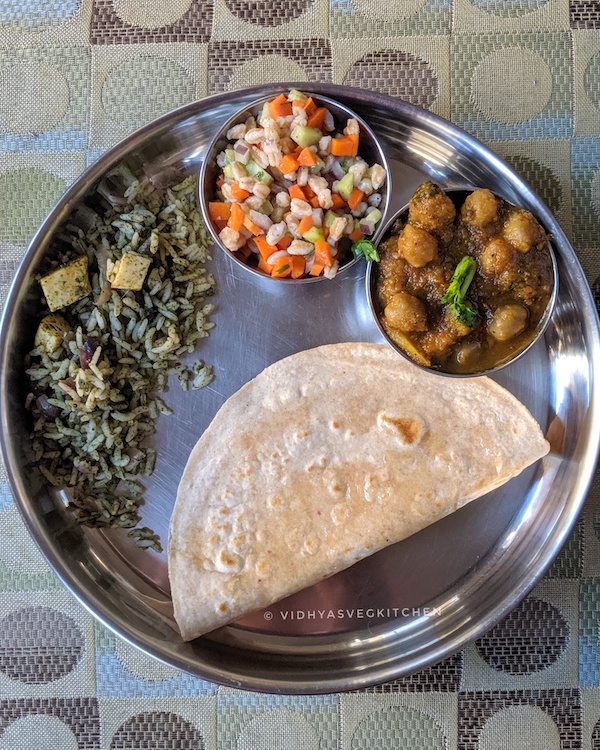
[
  {"x": 409, "y": 429},
  {"x": 227, "y": 559}
]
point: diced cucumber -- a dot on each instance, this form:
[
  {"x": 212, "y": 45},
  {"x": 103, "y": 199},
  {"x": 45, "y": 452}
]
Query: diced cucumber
[
  {"x": 373, "y": 216},
  {"x": 230, "y": 154},
  {"x": 317, "y": 167},
  {"x": 346, "y": 186},
  {"x": 266, "y": 113},
  {"x": 305, "y": 136},
  {"x": 368, "y": 222},
  {"x": 296, "y": 96},
  {"x": 330, "y": 217},
  {"x": 228, "y": 171},
  {"x": 314, "y": 234},
  {"x": 256, "y": 171}
]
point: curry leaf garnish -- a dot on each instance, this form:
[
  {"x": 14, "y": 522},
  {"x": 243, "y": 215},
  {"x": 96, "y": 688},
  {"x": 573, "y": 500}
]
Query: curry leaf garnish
[
  {"x": 366, "y": 248},
  {"x": 462, "y": 277}
]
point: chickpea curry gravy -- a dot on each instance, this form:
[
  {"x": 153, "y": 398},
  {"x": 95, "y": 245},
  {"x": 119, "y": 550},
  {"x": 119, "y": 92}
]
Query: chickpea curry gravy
[{"x": 463, "y": 288}]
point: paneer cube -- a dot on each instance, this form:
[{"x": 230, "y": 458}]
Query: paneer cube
[
  {"x": 67, "y": 284},
  {"x": 129, "y": 272},
  {"x": 50, "y": 332}
]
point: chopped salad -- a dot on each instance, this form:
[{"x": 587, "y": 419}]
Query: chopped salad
[{"x": 293, "y": 193}]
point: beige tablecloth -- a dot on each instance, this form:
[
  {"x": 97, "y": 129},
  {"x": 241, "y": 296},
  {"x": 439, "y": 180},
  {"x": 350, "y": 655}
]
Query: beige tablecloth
[{"x": 78, "y": 75}]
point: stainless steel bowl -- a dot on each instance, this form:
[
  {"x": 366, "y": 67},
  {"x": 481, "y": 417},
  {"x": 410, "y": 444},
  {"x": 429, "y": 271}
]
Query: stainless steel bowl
[
  {"x": 370, "y": 149},
  {"x": 457, "y": 195}
]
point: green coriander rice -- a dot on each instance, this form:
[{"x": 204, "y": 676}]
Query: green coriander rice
[{"x": 95, "y": 400}]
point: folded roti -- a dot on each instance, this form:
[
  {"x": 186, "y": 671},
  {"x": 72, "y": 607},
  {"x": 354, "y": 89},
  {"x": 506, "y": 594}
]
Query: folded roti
[{"x": 323, "y": 459}]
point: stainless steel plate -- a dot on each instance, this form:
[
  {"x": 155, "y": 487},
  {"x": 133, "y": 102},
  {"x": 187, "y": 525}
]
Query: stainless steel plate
[{"x": 406, "y": 607}]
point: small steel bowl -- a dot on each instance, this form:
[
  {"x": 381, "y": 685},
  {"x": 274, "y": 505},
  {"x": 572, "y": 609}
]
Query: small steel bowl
[
  {"x": 372, "y": 275},
  {"x": 370, "y": 149}
]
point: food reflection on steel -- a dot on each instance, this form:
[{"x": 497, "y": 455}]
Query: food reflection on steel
[{"x": 464, "y": 282}]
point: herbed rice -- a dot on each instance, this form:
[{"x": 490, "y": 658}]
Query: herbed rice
[{"x": 96, "y": 399}]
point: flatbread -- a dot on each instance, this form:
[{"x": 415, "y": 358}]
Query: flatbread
[{"x": 323, "y": 459}]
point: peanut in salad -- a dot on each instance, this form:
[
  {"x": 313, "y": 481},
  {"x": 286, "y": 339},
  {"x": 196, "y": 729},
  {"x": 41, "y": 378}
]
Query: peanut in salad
[{"x": 293, "y": 194}]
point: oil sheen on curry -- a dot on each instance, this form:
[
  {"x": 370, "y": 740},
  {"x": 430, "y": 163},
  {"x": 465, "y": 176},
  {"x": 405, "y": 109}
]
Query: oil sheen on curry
[{"x": 462, "y": 288}]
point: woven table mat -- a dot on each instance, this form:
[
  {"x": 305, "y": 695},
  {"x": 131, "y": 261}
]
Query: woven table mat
[{"x": 76, "y": 76}]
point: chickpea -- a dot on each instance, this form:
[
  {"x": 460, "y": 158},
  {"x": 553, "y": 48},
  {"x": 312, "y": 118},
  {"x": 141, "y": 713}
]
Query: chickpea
[
  {"x": 480, "y": 208},
  {"x": 523, "y": 231},
  {"x": 508, "y": 321},
  {"x": 430, "y": 208},
  {"x": 417, "y": 246},
  {"x": 497, "y": 257},
  {"x": 406, "y": 313},
  {"x": 467, "y": 353}
]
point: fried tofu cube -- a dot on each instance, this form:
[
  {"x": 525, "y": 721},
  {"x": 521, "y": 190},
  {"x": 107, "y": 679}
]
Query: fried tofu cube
[
  {"x": 129, "y": 272},
  {"x": 51, "y": 331},
  {"x": 67, "y": 284}
]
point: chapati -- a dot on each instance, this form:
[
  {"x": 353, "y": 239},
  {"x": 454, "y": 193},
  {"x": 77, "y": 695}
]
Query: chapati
[{"x": 323, "y": 459}]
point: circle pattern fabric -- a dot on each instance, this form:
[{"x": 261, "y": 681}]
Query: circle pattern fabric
[
  {"x": 151, "y": 15},
  {"x": 158, "y": 730},
  {"x": 510, "y": 8},
  {"x": 517, "y": 650},
  {"x": 162, "y": 85},
  {"x": 522, "y": 76},
  {"x": 266, "y": 13},
  {"x": 520, "y": 93},
  {"x": 39, "y": 645},
  {"x": 22, "y": 113},
  {"x": 396, "y": 73}
]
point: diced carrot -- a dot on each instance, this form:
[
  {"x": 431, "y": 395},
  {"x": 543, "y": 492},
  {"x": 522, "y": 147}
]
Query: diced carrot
[
  {"x": 236, "y": 217},
  {"x": 306, "y": 223},
  {"x": 245, "y": 251},
  {"x": 219, "y": 210},
  {"x": 338, "y": 201},
  {"x": 345, "y": 146},
  {"x": 285, "y": 242},
  {"x": 237, "y": 192},
  {"x": 307, "y": 158},
  {"x": 264, "y": 248},
  {"x": 288, "y": 164},
  {"x": 355, "y": 198},
  {"x": 251, "y": 226},
  {"x": 314, "y": 201},
  {"x": 264, "y": 266},
  {"x": 317, "y": 118},
  {"x": 323, "y": 253},
  {"x": 282, "y": 267},
  {"x": 298, "y": 266},
  {"x": 356, "y": 235},
  {"x": 309, "y": 106},
  {"x": 220, "y": 180},
  {"x": 280, "y": 107},
  {"x": 220, "y": 224},
  {"x": 317, "y": 269},
  {"x": 296, "y": 191},
  {"x": 308, "y": 192}
]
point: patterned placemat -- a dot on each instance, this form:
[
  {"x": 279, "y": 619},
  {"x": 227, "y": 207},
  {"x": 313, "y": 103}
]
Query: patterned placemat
[{"x": 78, "y": 75}]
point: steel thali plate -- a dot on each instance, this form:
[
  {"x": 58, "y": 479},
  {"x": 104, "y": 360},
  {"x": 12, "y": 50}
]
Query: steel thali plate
[{"x": 408, "y": 606}]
